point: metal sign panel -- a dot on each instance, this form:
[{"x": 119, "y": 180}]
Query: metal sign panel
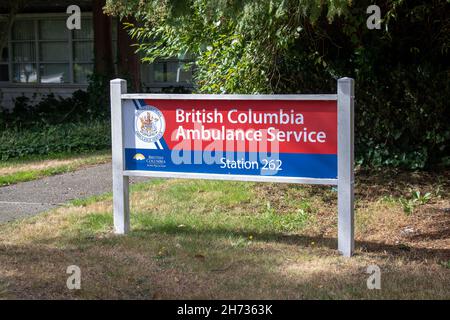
[{"x": 283, "y": 138}]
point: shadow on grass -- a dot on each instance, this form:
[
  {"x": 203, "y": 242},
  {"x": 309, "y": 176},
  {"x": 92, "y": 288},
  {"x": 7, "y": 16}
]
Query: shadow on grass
[
  {"x": 408, "y": 252},
  {"x": 113, "y": 272}
]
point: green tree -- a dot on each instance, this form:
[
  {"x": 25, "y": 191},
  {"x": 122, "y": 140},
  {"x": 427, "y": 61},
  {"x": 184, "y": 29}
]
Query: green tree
[
  {"x": 290, "y": 46},
  {"x": 236, "y": 44}
]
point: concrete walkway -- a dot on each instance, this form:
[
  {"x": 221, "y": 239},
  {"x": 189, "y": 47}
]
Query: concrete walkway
[{"x": 30, "y": 198}]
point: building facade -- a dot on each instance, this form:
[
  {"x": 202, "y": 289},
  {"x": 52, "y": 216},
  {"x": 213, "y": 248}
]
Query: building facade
[{"x": 40, "y": 55}]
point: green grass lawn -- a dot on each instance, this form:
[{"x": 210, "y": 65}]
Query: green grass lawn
[
  {"x": 36, "y": 167},
  {"x": 208, "y": 239}
]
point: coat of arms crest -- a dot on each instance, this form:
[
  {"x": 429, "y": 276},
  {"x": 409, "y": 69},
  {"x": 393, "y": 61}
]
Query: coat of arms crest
[{"x": 150, "y": 124}]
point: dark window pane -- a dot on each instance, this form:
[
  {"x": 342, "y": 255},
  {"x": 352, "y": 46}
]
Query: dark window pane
[
  {"x": 4, "y": 75},
  {"x": 52, "y": 30},
  {"x": 3, "y": 29},
  {"x": 172, "y": 72},
  {"x": 54, "y": 51},
  {"x": 176, "y": 72},
  {"x": 82, "y": 72},
  {"x": 83, "y": 51},
  {"x": 86, "y": 31},
  {"x": 24, "y": 52},
  {"x": 4, "y": 55},
  {"x": 25, "y": 73},
  {"x": 54, "y": 73},
  {"x": 160, "y": 69},
  {"x": 23, "y": 30}
]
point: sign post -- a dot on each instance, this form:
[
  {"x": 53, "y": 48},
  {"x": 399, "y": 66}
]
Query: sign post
[
  {"x": 121, "y": 203},
  {"x": 305, "y": 139},
  {"x": 346, "y": 94}
]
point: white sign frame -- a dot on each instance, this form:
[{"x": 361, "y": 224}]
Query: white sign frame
[{"x": 345, "y": 181}]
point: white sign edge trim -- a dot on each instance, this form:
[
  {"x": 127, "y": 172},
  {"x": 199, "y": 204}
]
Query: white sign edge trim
[
  {"x": 305, "y": 97},
  {"x": 231, "y": 177}
]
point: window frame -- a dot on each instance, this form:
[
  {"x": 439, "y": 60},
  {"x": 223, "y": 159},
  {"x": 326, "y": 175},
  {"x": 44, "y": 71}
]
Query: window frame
[{"x": 35, "y": 17}]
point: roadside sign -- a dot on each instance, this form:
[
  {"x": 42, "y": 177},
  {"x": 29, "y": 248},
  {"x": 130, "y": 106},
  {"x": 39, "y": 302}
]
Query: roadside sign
[{"x": 267, "y": 138}]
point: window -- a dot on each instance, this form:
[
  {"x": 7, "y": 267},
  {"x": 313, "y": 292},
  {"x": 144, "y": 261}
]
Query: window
[
  {"x": 170, "y": 72},
  {"x": 54, "y": 57},
  {"x": 41, "y": 50},
  {"x": 45, "y": 51},
  {"x": 83, "y": 51},
  {"x": 24, "y": 52},
  {"x": 4, "y": 62}
]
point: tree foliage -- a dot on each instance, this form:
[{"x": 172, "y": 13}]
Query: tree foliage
[
  {"x": 236, "y": 44},
  {"x": 303, "y": 46}
]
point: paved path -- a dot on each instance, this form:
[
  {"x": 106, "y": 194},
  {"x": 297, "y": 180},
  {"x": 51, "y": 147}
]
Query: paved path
[{"x": 29, "y": 198}]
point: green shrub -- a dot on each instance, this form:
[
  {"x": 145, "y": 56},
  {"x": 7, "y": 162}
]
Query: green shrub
[
  {"x": 54, "y": 125},
  {"x": 52, "y": 139},
  {"x": 82, "y": 106}
]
